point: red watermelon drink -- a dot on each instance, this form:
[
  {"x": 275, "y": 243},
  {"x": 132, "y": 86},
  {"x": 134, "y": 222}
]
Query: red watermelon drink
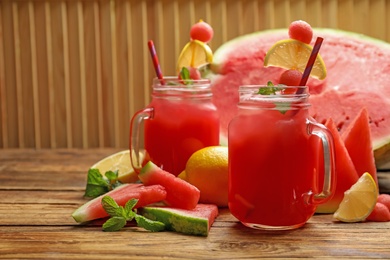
[
  {"x": 274, "y": 157},
  {"x": 180, "y": 120}
]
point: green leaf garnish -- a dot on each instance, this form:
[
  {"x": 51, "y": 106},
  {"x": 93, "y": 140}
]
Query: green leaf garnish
[
  {"x": 120, "y": 215},
  {"x": 97, "y": 184},
  {"x": 112, "y": 176},
  {"x": 151, "y": 225},
  {"x": 111, "y": 207},
  {"x": 114, "y": 224},
  {"x": 184, "y": 73},
  {"x": 185, "y": 76},
  {"x": 271, "y": 89}
]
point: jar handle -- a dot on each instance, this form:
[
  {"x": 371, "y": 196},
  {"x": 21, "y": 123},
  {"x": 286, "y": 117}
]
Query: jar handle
[
  {"x": 326, "y": 138},
  {"x": 137, "y": 152}
]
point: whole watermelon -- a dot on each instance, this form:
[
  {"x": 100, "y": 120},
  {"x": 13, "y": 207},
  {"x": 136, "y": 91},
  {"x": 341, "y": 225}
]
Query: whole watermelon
[{"x": 358, "y": 76}]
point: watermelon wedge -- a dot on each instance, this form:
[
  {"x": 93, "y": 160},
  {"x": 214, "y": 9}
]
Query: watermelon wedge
[
  {"x": 357, "y": 139},
  {"x": 192, "y": 222},
  {"x": 346, "y": 174},
  {"x": 180, "y": 194},
  {"x": 145, "y": 194},
  {"x": 358, "y": 74}
]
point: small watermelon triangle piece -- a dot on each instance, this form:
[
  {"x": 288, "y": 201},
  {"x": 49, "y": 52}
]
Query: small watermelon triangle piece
[
  {"x": 196, "y": 221},
  {"x": 346, "y": 174},
  {"x": 357, "y": 139}
]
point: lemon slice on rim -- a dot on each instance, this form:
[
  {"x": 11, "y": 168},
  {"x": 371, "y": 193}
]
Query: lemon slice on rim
[
  {"x": 195, "y": 54},
  {"x": 118, "y": 161},
  {"x": 359, "y": 201},
  {"x": 293, "y": 54}
]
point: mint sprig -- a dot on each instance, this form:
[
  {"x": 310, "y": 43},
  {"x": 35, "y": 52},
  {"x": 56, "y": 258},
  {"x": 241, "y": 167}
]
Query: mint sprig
[
  {"x": 271, "y": 89},
  {"x": 120, "y": 215},
  {"x": 185, "y": 76},
  {"x": 97, "y": 184}
]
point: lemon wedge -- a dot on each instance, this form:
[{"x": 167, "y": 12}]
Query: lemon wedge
[
  {"x": 359, "y": 201},
  {"x": 118, "y": 161},
  {"x": 293, "y": 54},
  {"x": 194, "y": 54}
]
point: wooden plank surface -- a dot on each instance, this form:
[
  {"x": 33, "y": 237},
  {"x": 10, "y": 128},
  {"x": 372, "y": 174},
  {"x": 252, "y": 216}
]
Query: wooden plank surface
[{"x": 39, "y": 189}]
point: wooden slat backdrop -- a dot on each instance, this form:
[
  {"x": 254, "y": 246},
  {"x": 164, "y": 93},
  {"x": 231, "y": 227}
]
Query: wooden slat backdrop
[{"x": 73, "y": 72}]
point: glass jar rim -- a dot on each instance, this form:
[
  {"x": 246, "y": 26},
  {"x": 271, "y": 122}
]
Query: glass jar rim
[
  {"x": 268, "y": 96},
  {"x": 175, "y": 82}
]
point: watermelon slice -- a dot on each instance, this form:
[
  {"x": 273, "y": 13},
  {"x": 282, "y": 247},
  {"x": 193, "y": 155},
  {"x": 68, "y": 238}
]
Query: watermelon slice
[
  {"x": 357, "y": 139},
  {"x": 193, "y": 222},
  {"x": 145, "y": 195},
  {"x": 180, "y": 194},
  {"x": 358, "y": 74},
  {"x": 346, "y": 174}
]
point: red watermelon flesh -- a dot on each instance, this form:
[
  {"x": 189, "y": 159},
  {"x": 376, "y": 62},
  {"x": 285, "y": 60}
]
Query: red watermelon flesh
[
  {"x": 180, "y": 194},
  {"x": 358, "y": 76},
  {"x": 146, "y": 195},
  {"x": 346, "y": 174},
  {"x": 357, "y": 140}
]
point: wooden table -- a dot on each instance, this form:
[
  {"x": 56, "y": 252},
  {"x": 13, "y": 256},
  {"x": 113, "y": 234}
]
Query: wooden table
[{"x": 39, "y": 189}]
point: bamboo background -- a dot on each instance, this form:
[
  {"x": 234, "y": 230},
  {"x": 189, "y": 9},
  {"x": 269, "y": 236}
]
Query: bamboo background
[{"x": 73, "y": 72}]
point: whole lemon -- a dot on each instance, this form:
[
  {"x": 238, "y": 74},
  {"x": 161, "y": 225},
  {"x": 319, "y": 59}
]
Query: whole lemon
[{"x": 207, "y": 169}]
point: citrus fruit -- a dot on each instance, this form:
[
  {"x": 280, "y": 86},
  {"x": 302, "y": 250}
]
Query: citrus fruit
[
  {"x": 359, "y": 201},
  {"x": 207, "y": 169},
  {"x": 294, "y": 54},
  {"x": 194, "y": 54},
  {"x": 119, "y": 161}
]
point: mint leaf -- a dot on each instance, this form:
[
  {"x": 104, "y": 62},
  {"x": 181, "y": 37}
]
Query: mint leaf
[
  {"x": 114, "y": 224},
  {"x": 130, "y": 214},
  {"x": 93, "y": 191},
  {"x": 97, "y": 184},
  {"x": 94, "y": 177},
  {"x": 151, "y": 225},
  {"x": 120, "y": 215},
  {"x": 112, "y": 176},
  {"x": 112, "y": 208},
  {"x": 185, "y": 76},
  {"x": 283, "y": 107},
  {"x": 184, "y": 73},
  {"x": 269, "y": 90}
]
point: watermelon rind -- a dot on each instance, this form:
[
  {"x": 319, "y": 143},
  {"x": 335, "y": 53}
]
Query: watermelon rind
[
  {"x": 82, "y": 214},
  {"x": 178, "y": 220}
]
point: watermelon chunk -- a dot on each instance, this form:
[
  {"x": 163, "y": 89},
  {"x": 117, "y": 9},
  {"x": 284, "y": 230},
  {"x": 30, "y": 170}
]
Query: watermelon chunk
[
  {"x": 180, "y": 194},
  {"x": 357, "y": 139},
  {"x": 193, "y": 222},
  {"x": 145, "y": 194},
  {"x": 358, "y": 75},
  {"x": 346, "y": 174}
]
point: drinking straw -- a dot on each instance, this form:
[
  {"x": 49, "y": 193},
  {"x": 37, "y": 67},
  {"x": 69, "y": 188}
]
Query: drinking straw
[
  {"x": 310, "y": 63},
  {"x": 156, "y": 64}
]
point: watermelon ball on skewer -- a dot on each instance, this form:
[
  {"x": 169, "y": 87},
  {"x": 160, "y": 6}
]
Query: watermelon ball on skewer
[
  {"x": 301, "y": 31},
  {"x": 290, "y": 78},
  {"x": 201, "y": 31}
]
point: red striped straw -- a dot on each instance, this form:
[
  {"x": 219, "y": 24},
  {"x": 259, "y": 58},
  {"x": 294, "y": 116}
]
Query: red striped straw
[
  {"x": 156, "y": 64},
  {"x": 310, "y": 63}
]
